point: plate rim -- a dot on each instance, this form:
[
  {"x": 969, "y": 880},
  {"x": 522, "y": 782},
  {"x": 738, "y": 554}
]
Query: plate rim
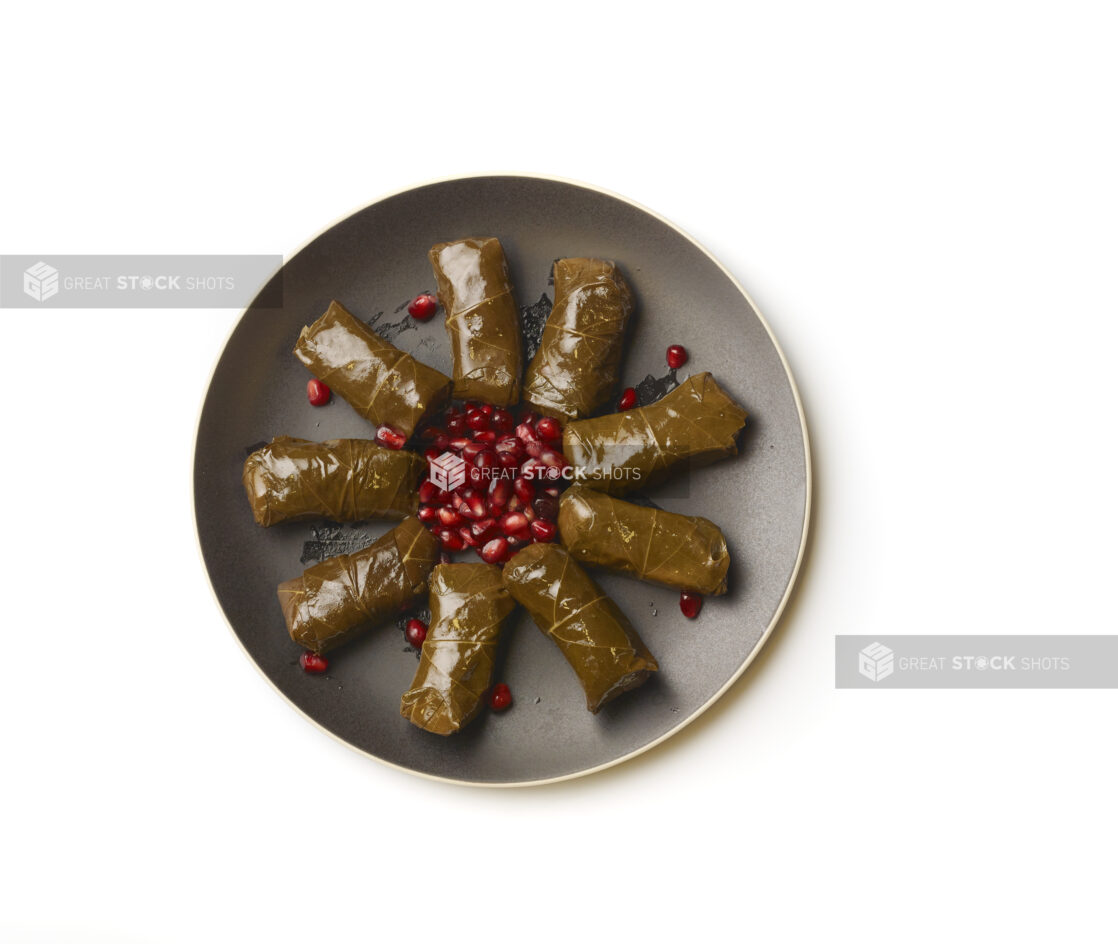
[{"x": 762, "y": 640}]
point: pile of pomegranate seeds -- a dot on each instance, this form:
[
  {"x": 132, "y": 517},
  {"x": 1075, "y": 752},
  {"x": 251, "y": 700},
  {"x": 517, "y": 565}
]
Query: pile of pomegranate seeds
[
  {"x": 313, "y": 663},
  {"x": 511, "y": 473},
  {"x": 317, "y": 392},
  {"x": 423, "y": 307},
  {"x": 500, "y": 697}
]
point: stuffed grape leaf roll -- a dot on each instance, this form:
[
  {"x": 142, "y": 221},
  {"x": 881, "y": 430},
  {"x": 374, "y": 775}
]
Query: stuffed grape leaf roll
[
  {"x": 341, "y": 479},
  {"x": 481, "y": 318},
  {"x": 342, "y": 597},
  {"x": 697, "y": 423},
  {"x": 576, "y": 367},
  {"x": 385, "y": 385},
  {"x": 680, "y": 551},
  {"x": 469, "y": 605},
  {"x": 595, "y": 637}
]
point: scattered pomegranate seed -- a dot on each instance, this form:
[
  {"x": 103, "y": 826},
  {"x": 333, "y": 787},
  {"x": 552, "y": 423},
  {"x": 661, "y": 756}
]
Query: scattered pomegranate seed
[
  {"x": 423, "y": 307},
  {"x": 549, "y": 428},
  {"x": 317, "y": 392},
  {"x": 542, "y": 530},
  {"x": 494, "y": 551},
  {"x": 628, "y": 399},
  {"x": 500, "y": 697},
  {"x": 690, "y": 604},
  {"x": 313, "y": 663},
  {"x": 415, "y": 632},
  {"x": 501, "y": 420},
  {"x": 390, "y": 438},
  {"x": 677, "y": 356},
  {"x": 477, "y": 420}
]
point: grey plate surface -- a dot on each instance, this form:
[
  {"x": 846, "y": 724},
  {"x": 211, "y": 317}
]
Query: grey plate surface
[{"x": 374, "y": 262}]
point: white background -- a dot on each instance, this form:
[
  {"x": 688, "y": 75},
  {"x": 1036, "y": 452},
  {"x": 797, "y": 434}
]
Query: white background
[{"x": 922, "y": 200}]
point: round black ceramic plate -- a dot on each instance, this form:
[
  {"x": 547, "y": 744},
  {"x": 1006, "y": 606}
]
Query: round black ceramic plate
[{"x": 374, "y": 262}]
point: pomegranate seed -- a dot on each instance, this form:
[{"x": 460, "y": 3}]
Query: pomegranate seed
[
  {"x": 427, "y": 491},
  {"x": 471, "y": 449},
  {"x": 441, "y": 442},
  {"x": 515, "y": 504},
  {"x": 677, "y": 356},
  {"x": 468, "y": 538},
  {"x": 507, "y": 444},
  {"x": 313, "y": 663},
  {"x": 456, "y": 425},
  {"x": 513, "y": 522},
  {"x": 500, "y": 491},
  {"x": 482, "y": 528},
  {"x": 551, "y": 490},
  {"x": 690, "y": 604},
  {"x": 513, "y": 543},
  {"x": 442, "y": 496},
  {"x": 546, "y": 507},
  {"x": 317, "y": 392},
  {"x": 508, "y": 460},
  {"x": 485, "y": 459},
  {"x": 475, "y": 507},
  {"x": 432, "y": 453},
  {"x": 450, "y": 540},
  {"x": 528, "y": 417},
  {"x": 549, "y": 428},
  {"x": 415, "y": 632},
  {"x": 477, "y": 420},
  {"x": 428, "y": 514},
  {"x": 486, "y": 436},
  {"x": 552, "y": 457},
  {"x": 542, "y": 530},
  {"x": 494, "y": 551},
  {"x": 500, "y": 697},
  {"x": 433, "y": 432},
  {"x": 423, "y": 307},
  {"x": 628, "y": 399},
  {"x": 459, "y": 443},
  {"x": 501, "y": 420},
  {"x": 448, "y": 517},
  {"x": 526, "y": 433},
  {"x": 524, "y": 490},
  {"x": 390, "y": 438},
  {"x": 486, "y": 408},
  {"x": 532, "y": 470}
]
